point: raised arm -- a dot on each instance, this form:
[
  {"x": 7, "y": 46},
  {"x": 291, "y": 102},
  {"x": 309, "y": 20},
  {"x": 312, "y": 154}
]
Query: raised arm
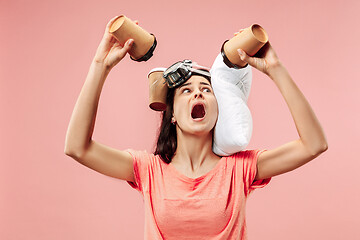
[
  {"x": 312, "y": 141},
  {"x": 79, "y": 144}
]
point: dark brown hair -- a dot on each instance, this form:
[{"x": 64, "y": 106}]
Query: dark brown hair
[{"x": 167, "y": 139}]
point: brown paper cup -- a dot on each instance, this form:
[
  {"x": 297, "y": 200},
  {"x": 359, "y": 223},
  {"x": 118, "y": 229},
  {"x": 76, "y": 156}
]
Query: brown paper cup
[
  {"x": 123, "y": 29},
  {"x": 157, "y": 89},
  {"x": 250, "y": 40}
]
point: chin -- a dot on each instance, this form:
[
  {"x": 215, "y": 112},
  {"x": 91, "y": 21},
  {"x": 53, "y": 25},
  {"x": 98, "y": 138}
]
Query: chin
[{"x": 201, "y": 130}]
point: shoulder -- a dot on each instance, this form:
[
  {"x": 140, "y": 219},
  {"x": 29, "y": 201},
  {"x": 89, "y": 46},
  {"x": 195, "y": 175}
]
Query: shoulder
[
  {"x": 143, "y": 156},
  {"x": 247, "y": 159},
  {"x": 247, "y": 154},
  {"x": 138, "y": 153}
]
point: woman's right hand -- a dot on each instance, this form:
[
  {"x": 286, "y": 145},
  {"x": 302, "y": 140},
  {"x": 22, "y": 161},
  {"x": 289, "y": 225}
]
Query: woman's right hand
[{"x": 110, "y": 52}]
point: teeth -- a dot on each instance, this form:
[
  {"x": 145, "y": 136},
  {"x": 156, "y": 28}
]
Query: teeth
[{"x": 198, "y": 111}]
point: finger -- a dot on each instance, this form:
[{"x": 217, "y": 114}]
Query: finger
[
  {"x": 123, "y": 50},
  {"x": 128, "y": 44},
  {"x": 117, "y": 45},
  {"x": 244, "y": 57},
  {"x": 113, "y": 40},
  {"x": 236, "y": 33}
]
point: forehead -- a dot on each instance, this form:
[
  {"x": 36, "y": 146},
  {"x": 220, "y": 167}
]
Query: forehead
[{"x": 196, "y": 79}]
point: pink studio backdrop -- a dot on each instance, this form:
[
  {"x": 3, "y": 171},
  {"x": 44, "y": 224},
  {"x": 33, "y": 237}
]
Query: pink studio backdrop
[{"x": 46, "y": 50}]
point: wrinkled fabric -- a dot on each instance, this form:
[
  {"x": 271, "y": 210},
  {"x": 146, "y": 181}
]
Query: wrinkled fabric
[
  {"x": 234, "y": 126},
  {"x": 210, "y": 207}
]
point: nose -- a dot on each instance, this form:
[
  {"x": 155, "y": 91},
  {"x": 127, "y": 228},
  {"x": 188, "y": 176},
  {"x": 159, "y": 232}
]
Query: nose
[{"x": 198, "y": 94}]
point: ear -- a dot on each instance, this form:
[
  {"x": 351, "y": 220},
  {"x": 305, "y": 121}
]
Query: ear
[{"x": 173, "y": 120}]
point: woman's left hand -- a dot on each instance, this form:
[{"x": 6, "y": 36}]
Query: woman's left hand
[{"x": 265, "y": 60}]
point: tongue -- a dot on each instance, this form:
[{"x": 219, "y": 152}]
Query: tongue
[{"x": 198, "y": 111}]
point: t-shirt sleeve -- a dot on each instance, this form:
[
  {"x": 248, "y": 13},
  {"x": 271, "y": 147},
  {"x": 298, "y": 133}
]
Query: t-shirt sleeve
[
  {"x": 250, "y": 158},
  {"x": 141, "y": 165}
]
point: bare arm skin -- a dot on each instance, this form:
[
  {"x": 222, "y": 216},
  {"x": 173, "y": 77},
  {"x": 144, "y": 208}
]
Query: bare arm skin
[
  {"x": 312, "y": 141},
  {"x": 79, "y": 144}
]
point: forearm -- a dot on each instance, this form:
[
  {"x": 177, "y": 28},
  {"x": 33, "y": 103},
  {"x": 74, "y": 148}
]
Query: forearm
[
  {"x": 82, "y": 121},
  {"x": 308, "y": 127}
]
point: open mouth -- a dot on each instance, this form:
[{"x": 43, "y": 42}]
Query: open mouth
[{"x": 198, "y": 111}]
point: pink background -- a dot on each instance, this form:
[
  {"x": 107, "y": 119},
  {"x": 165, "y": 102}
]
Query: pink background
[{"x": 46, "y": 50}]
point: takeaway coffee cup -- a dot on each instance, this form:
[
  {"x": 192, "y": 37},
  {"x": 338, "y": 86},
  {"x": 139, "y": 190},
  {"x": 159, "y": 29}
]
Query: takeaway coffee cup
[
  {"x": 250, "y": 40},
  {"x": 157, "y": 89},
  {"x": 144, "y": 43}
]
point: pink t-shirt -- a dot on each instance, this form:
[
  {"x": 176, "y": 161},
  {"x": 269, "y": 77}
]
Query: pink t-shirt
[{"x": 210, "y": 207}]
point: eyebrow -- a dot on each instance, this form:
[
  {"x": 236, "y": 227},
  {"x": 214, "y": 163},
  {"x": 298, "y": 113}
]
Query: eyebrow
[
  {"x": 189, "y": 83},
  {"x": 204, "y": 83}
]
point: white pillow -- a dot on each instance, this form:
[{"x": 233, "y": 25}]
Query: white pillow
[{"x": 231, "y": 87}]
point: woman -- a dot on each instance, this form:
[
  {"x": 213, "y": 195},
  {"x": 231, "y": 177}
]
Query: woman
[{"x": 189, "y": 192}]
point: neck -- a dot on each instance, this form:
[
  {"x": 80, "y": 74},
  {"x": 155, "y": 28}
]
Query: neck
[{"x": 193, "y": 150}]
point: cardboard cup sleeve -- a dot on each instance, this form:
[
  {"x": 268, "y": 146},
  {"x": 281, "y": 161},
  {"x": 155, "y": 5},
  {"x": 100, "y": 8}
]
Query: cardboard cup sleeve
[
  {"x": 144, "y": 44},
  {"x": 250, "y": 40},
  {"x": 157, "y": 89}
]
